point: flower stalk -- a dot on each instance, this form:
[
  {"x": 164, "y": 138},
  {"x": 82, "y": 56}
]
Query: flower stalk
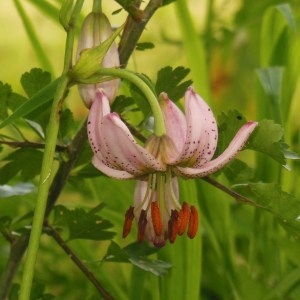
[
  {"x": 47, "y": 164},
  {"x": 159, "y": 126}
]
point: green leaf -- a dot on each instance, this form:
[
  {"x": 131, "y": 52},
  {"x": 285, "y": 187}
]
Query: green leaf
[
  {"x": 40, "y": 98},
  {"x": 5, "y": 222},
  {"x": 270, "y": 197},
  {"x": 156, "y": 267},
  {"x": 67, "y": 123},
  {"x": 140, "y": 100},
  {"x": 286, "y": 11},
  {"x": 238, "y": 171},
  {"x": 82, "y": 224},
  {"x": 267, "y": 139},
  {"x": 278, "y": 22},
  {"x": 5, "y": 91},
  {"x": 25, "y": 161},
  {"x": 171, "y": 82},
  {"x": 15, "y": 190},
  {"x": 34, "y": 80},
  {"x": 228, "y": 126},
  {"x": 136, "y": 253},
  {"x": 271, "y": 81},
  {"x": 120, "y": 103},
  {"x": 115, "y": 253},
  {"x": 144, "y": 46}
]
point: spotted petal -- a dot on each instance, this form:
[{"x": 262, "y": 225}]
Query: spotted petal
[
  {"x": 175, "y": 123},
  {"x": 196, "y": 108},
  {"x": 99, "y": 109},
  {"x": 121, "y": 150},
  {"x": 202, "y": 133},
  {"x": 230, "y": 152}
]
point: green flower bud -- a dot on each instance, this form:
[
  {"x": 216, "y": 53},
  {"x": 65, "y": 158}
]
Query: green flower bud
[{"x": 95, "y": 30}]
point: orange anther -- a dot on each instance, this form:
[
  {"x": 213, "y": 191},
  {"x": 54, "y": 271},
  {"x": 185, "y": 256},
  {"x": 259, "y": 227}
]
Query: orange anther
[
  {"x": 156, "y": 218},
  {"x": 183, "y": 218},
  {"x": 172, "y": 226},
  {"x": 142, "y": 223},
  {"x": 129, "y": 216},
  {"x": 193, "y": 222}
]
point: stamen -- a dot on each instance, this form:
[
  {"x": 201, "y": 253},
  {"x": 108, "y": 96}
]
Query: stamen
[
  {"x": 172, "y": 226},
  {"x": 142, "y": 223},
  {"x": 171, "y": 193},
  {"x": 128, "y": 222},
  {"x": 193, "y": 222},
  {"x": 156, "y": 218},
  {"x": 183, "y": 218},
  {"x": 149, "y": 192}
]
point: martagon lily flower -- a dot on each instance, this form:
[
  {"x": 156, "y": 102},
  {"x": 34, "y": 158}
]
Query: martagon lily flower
[{"x": 186, "y": 150}]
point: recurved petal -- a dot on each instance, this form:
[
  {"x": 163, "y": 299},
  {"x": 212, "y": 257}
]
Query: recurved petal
[
  {"x": 230, "y": 152},
  {"x": 101, "y": 165},
  {"x": 99, "y": 109},
  {"x": 202, "y": 136},
  {"x": 174, "y": 121},
  {"x": 123, "y": 151},
  {"x": 202, "y": 132}
]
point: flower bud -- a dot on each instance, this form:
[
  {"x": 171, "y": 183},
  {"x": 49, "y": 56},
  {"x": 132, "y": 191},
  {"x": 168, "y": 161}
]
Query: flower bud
[{"x": 95, "y": 30}]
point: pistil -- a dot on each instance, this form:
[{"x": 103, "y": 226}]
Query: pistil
[{"x": 160, "y": 216}]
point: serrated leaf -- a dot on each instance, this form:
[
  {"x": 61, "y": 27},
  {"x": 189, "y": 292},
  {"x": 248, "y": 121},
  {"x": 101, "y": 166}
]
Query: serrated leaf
[
  {"x": 267, "y": 139},
  {"x": 82, "y": 224},
  {"x": 34, "y": 80},
  {"x": 15, "y": 100},
  {"x": 238, "y": 171},
  {"x": 171, "y": 82},
  {"x": 140, "y": 100},
  {"x": 156, "y": 267},
  {"x": 270, "y": 197},
  {"x": 40, "y": 98},
  {"x": 136, "y": 253},
  {"x": 25, "y": 161},
  {"x": 121, "y": 102},
  {"x": 228, "y": 126},
  {"x": 15, "y": 190},
  {"x": 115, "y": 253}
]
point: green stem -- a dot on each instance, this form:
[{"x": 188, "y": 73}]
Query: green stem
[
  {"x": 97, "y": 6},
  {"x": 159, "y": 126},
  {"x": 47, "y": 165}
]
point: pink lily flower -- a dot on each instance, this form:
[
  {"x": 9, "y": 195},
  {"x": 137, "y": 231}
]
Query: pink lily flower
[{"x": 186, "y": 150}]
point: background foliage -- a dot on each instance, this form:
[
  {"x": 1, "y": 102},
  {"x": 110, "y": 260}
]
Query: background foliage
[{"x": 243, "y": 57}]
